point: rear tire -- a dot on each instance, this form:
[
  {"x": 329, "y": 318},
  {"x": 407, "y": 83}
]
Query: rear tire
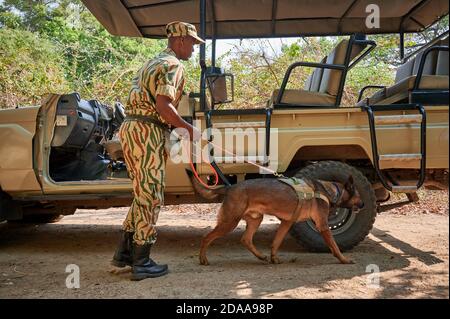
[{"x": 348, "y": 228}]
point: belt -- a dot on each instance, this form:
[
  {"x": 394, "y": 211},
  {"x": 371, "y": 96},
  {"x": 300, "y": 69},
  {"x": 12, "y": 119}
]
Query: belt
[{"x": 147, "y": 119}]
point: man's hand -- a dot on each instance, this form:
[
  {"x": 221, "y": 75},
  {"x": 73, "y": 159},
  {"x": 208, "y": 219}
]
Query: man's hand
[{"x": 191, "y": 133}]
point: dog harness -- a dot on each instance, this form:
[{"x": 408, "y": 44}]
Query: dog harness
[{"x": 303, "y": 190}]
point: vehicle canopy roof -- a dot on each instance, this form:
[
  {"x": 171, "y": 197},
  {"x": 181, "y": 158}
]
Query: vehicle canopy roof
[{"x": 227, "y": 19}]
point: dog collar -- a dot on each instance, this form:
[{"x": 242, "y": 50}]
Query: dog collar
[{"x": 338, "y": 196}]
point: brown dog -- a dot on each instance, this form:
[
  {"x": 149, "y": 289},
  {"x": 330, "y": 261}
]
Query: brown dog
[{"x": 251, "y": 199}]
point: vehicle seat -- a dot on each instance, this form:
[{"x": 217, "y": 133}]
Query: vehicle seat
[
  {"x": 435, "y": 76},
  {"x": 322, "y": 86}
]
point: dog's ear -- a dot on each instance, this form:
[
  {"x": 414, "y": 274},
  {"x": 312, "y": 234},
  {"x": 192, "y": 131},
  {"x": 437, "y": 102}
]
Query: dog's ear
[{"x": 349, "y": 184}]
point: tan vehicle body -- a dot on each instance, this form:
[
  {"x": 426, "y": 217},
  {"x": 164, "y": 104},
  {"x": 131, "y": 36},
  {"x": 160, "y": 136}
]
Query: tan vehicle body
[{"x": 303, "y": 135}]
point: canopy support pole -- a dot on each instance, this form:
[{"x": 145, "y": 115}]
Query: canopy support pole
[
  {"x": 203, "y": 55},
  {"x": 402, "y": 46}
]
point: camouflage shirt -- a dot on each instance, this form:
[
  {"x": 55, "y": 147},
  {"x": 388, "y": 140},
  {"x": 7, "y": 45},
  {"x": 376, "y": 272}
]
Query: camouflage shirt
[{"x": 163, "y": 75}]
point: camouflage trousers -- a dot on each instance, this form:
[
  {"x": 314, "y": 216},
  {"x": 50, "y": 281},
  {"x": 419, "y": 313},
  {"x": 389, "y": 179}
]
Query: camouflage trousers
[{"x": 145, "y": 157}]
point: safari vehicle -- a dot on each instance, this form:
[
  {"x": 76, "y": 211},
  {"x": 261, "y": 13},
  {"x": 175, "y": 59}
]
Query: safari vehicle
[{"x": 63, "y": 154}]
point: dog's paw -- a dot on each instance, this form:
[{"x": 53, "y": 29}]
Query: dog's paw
[
  {"x": 204, "y": 261},
  {"x": 275, "y": 260},
  {"x": 347, "y": 261},
  {"x": 264, "y": 258},
  {"x": 119, "y": 271}
]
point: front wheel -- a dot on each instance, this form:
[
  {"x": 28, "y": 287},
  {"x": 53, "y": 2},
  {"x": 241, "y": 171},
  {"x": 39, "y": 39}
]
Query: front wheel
[{"x": 348, "y": 228}]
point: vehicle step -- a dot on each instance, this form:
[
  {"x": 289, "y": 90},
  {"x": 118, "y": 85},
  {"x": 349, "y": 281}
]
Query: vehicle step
[
  {"x": 404, "y": 189},
  {"x": 400, "y": 157},
  {"x": 398, "y": 119},
  {"x": 240, "y": 159},
  {"x": 238, "y": 124},
  {"x": 387, "y": 160}
]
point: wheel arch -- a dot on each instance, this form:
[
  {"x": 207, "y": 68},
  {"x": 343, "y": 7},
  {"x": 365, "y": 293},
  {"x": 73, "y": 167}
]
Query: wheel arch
[{"x": 329, "y": 152}]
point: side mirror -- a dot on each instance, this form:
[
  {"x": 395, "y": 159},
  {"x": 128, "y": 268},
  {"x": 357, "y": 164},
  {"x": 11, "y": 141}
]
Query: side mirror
[{"x": 220, "y": 85}]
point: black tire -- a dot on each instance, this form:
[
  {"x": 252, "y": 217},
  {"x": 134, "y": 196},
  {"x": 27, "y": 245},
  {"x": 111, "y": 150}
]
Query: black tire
[{"x": 348, "y": 228}]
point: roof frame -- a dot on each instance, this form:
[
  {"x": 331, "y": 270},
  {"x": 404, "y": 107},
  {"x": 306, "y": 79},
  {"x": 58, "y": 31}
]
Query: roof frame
[
  {"x": 265, "y": 19},
  {"x": 411, "y": 12},
  {"x": 350, "y": 7}
]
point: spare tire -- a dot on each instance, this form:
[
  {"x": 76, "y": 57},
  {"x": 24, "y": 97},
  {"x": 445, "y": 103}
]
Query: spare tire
[{"x": 348, "y": 228}]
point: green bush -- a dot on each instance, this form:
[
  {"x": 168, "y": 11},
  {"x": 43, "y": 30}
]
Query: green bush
[
  {"x": 70, "y": 51},
  {"x": 30, "y": 67}
]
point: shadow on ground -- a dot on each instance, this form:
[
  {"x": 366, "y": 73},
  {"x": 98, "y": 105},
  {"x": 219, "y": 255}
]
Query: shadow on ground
[{"x": 42, "y": 251}]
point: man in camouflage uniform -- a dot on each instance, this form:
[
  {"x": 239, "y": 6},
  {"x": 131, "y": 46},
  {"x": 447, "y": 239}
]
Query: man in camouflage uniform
[{"x": 151, "y": 108}]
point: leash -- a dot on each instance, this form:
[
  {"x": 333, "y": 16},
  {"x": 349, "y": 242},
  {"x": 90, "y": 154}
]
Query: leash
[
  {"x": 157, "y": 122},
  {"x": 216, "y": 175},
  {"x": 249, "y": 162}
]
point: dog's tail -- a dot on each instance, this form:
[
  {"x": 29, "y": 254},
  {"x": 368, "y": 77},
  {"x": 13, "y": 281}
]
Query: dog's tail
[{"x": 214, "y": 194}]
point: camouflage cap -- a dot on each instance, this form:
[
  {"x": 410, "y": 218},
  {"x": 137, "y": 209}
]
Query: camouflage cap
[{"x": 182, "y": 29}]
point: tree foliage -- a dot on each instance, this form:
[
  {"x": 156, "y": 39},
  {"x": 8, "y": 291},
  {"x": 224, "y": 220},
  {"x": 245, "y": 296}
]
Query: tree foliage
[
  {"x": 29, "y": 66},
  {"x": 258, "y": 74},
  {"x": 58, "y": 46},
  {"x": 82, "y": 55}
]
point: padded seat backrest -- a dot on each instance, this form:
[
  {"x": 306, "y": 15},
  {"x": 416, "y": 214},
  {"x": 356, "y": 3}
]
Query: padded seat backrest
[
  {"x": 332, "y": 78},
  {"x": 442, "y": 60},
  {"x": 313, "y": 81},
  {"x": 317, "y": 77},
  {"x": 308, "y": 83},
  {"x": 429, "y": 67},
  {"x": 404, "y": 71},
  {"x": 436, "y": 63}
]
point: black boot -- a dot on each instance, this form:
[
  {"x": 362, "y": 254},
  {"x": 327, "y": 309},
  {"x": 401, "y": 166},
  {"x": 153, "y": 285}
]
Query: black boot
[
  {"x": 122, "y": 256},
  {"x": 144, "y": 266}
]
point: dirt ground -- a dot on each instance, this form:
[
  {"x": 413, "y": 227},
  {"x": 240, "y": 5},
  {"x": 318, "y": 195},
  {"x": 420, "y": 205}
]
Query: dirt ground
[{"x": 409, "y": 246}]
